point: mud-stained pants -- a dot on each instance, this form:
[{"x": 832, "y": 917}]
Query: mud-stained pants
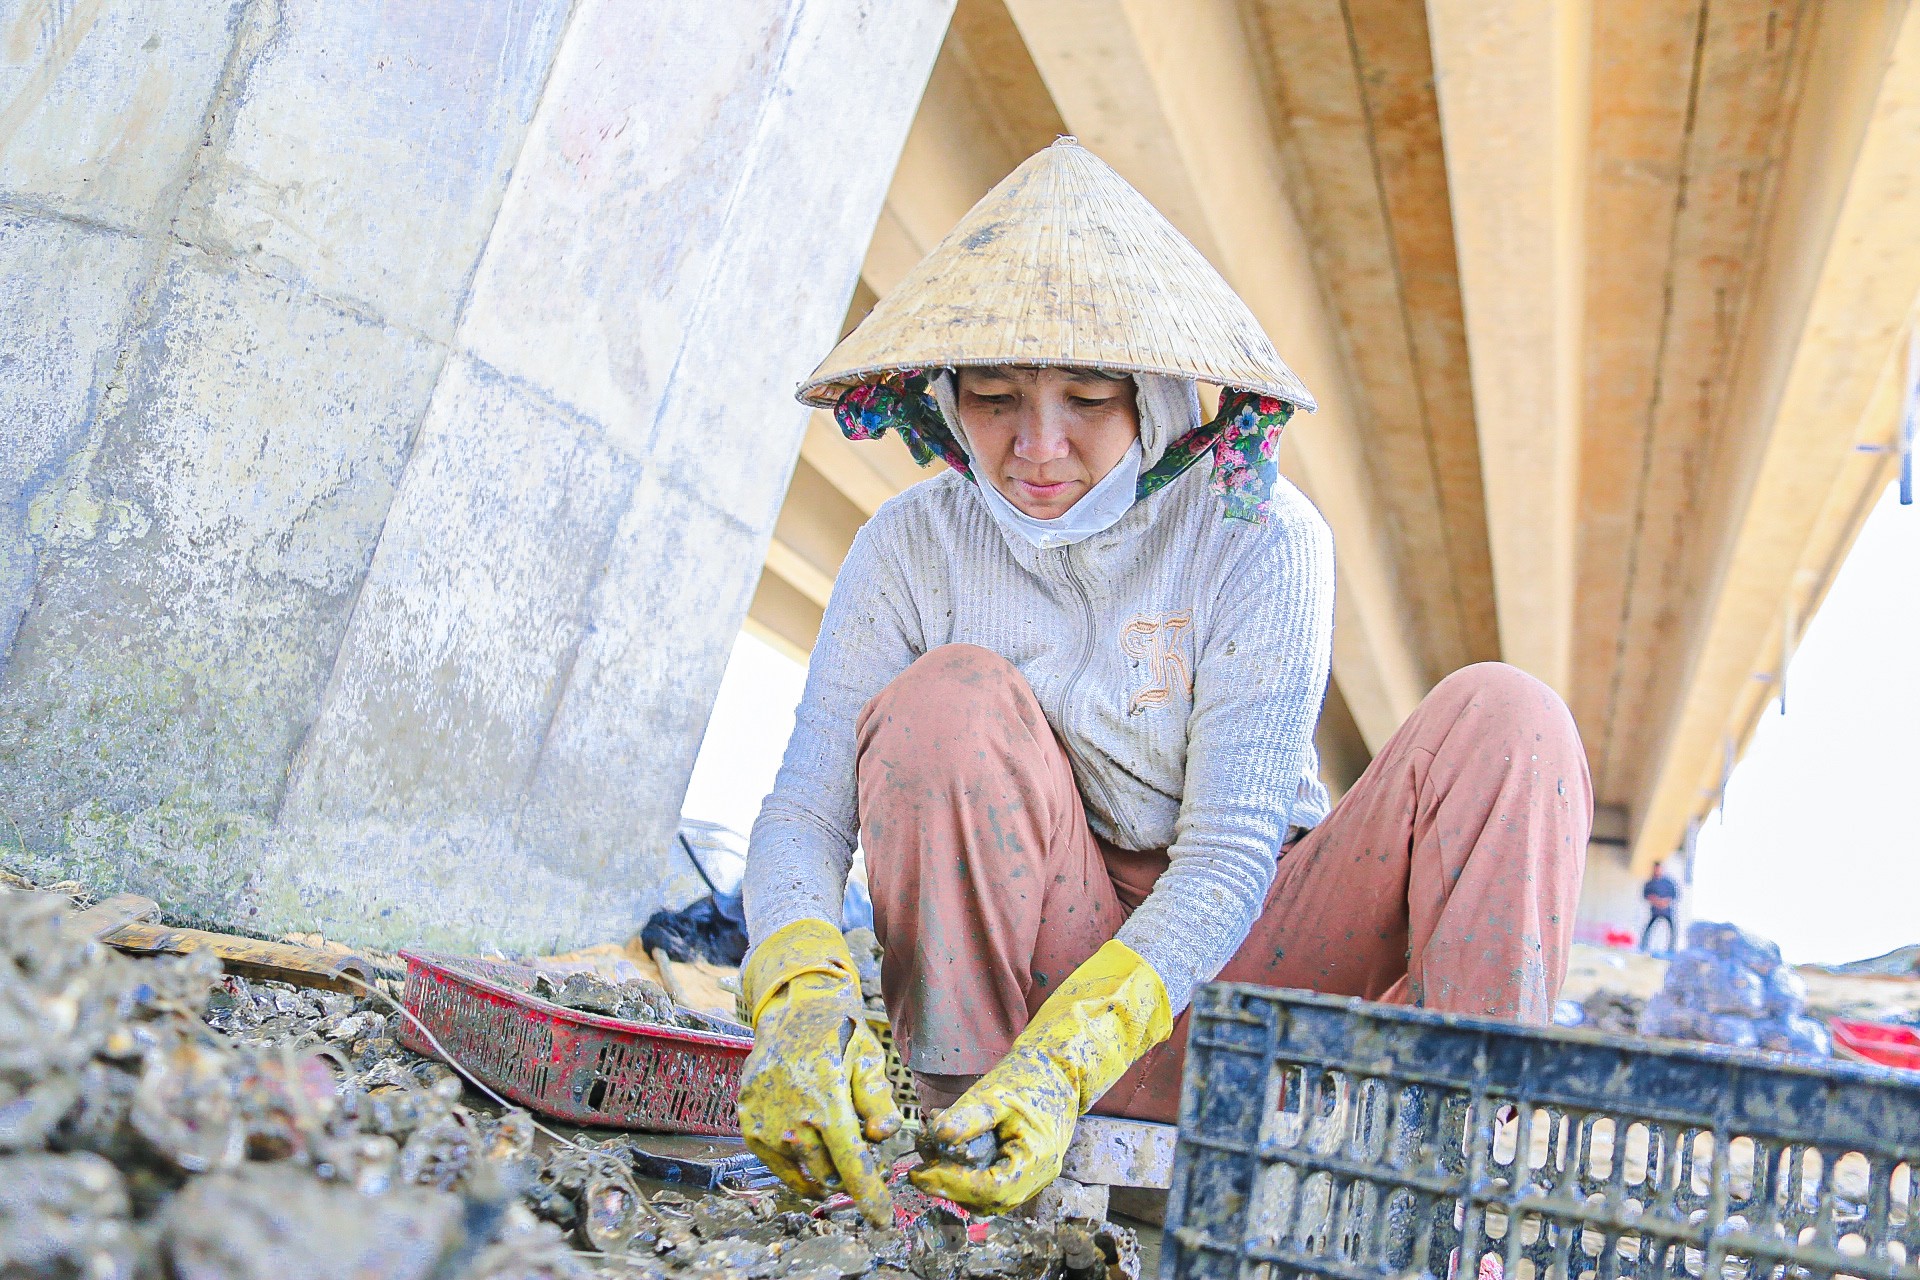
[{"x": 1447, "y": 877}]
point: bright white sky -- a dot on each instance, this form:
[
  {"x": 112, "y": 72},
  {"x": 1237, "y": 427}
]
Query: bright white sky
[
  {"x": 1820, "y": 847},
  {"x": 746, "y": 737}
]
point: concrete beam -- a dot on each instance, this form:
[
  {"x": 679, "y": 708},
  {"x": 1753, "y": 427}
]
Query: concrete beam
[
  {"x": 798, "y": 572},
  {"x": 1818, "y": 350},
  {"x": 866, "y": 472},
  {"x": 1693, "y": 156},
  {"x": 1644, "y": 71},
  {"x": 268, "y": 267},
  {"x": 1336, "y": 739},
  {"x": 780, "y": 615},
  {"x": 892, "y": 253},
  {"x": 810, "y": 539},
  {"x": 1122, "y": 73},
  {"x": 1512, "y": 82},
  {"x": 1351, "y": 93},
  {"x": 984, "y": 110},
  {"x": 1107, "y": 84}
]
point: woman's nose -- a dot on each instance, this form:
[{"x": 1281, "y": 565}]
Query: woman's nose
[{"x": 1042, "y": 437}]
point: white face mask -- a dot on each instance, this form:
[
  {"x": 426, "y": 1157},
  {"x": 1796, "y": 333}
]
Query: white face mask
[
  {"x": 1168, "y": 409},
  {"x": 1098, "y": 510}
]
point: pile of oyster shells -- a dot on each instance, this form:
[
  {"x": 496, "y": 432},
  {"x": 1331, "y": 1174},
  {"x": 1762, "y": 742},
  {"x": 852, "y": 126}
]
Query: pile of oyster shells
[
  {"x": 159, "y": 1119},
  {"x": 635, "y": 1000}
]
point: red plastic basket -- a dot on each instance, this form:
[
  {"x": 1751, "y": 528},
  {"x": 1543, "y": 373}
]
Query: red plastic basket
[
  {"x": 1889, "y": 1044},
  {"x": 574, "y": 1066}
]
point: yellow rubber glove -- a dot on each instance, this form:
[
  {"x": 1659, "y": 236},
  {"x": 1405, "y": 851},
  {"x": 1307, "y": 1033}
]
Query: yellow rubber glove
[
  {"x": 814, "y": 1091},
  {"x": 1108, "y": 1012}
]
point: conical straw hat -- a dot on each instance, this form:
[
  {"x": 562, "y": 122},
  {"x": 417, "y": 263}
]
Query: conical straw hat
[{"x": 1063, "y": 263}]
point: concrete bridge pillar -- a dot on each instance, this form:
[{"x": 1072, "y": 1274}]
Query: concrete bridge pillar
[{"x": 394, "y": 410}]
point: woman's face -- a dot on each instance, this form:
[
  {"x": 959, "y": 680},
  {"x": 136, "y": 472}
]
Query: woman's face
[{"x": 1046, "y": 436}]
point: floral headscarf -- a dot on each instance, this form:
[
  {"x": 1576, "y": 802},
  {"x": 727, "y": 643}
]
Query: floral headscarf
[{"x": 1243, "y": 438}]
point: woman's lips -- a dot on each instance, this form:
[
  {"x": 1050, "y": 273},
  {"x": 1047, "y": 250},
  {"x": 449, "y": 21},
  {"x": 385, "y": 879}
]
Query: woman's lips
[{"x": 1035, "y": 489}]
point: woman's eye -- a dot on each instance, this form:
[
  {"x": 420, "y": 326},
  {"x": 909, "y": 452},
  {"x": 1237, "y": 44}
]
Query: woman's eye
[{"x": 992, "y": 399}]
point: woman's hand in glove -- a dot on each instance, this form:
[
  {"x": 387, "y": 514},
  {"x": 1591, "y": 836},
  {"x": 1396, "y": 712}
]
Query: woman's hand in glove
[
  {"x": 814, "y": 1091},
  {"x": 1106, "y": 1014}
]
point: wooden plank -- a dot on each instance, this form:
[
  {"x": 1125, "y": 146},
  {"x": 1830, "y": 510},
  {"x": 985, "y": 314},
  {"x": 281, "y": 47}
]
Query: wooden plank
[
  {"x": 318, "y": 967},
  {"x": 111, "y": 912}
]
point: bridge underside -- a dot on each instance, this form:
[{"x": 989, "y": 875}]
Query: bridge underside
[{"x": 1607, "y": 312}]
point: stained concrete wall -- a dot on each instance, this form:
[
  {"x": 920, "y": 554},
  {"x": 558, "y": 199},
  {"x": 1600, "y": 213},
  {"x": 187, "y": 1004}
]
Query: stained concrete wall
[{"x": 395, "y": 403}]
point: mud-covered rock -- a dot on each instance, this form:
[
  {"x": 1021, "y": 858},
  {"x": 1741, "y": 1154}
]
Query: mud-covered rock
[
  {"x": 864, "y": 947},
  {"x": 977, "y": 1152},
  {"x": 65, "y": 1216},
  {"x": 438, "y": 1154},
  {"x": 278, "y": 1222},
  {"x": 612, "y": 1213},
  {"x": 67, "y": 1001},
  {"x": 717, "y": 1218},
  {"x": 838, "y": 1255},
  {"x": 535, "y": 1254},
  {"x": 166, "y": 1120},
  {"x": 158, "y": 1119},
  {"x": 754, "y": 1259},
  {"x": 187, "y": 1106},
  {"x": 1613, "y": 1011}
]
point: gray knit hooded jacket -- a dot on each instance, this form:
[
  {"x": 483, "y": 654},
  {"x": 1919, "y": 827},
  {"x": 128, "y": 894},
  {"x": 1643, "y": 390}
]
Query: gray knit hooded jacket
[{"x": 1180, "y": 657}]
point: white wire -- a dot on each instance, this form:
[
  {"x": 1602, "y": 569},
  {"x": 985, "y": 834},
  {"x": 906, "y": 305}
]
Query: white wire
[{"x": 453, "y": 1062}]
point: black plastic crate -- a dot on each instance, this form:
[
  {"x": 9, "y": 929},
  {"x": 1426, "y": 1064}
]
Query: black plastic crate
[{"x": 1331, "y": 1137}]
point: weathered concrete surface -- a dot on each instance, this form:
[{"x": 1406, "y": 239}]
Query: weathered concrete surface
[
  {"x": 104, "y": 103},
  {"x": 202, "y": 557},
  {"x": 101, "y": 108},
  {"x": 69, "y": 291},
  {"x": 369, "y": 147},
  {"x": 637, "y": 259},
  {"x": 484, "y": 598},
  {"x": 393, "y": 413}
]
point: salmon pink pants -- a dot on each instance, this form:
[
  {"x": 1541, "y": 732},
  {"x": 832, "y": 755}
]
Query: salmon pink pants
[{"x": 1447, "y": 877}]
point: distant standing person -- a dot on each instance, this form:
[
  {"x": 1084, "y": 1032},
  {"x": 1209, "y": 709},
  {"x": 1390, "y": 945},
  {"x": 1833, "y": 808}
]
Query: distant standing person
[{"x": 1661, "y": 894}]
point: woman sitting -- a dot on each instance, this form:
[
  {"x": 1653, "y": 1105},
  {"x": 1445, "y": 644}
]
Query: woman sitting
[{"x": 1064, "y": 696}]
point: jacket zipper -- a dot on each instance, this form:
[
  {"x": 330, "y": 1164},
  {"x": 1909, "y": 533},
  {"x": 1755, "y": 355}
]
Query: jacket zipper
[{"x": 1066, "y": 700}]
